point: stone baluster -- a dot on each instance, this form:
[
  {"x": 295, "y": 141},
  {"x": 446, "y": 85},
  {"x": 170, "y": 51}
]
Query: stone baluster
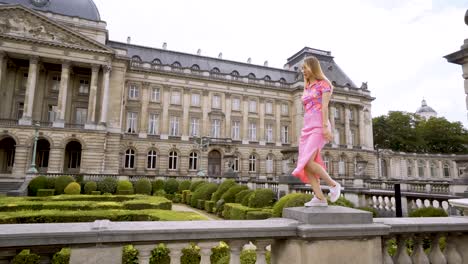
[
  {"x": 176, "y": 251},
  {"x": 419, "y": 256},
  {"x": 387, "y": 259},
  {"x": 261, "y": 250},
  {"x": 236, "y": 248},
  {"x": 144, "y": 253},
  {"x": 205, "y": 251},
  {"x": 436, "y": 256},
  {"x": 450, "y": 252},
  {"x": 401, "y": 256}
]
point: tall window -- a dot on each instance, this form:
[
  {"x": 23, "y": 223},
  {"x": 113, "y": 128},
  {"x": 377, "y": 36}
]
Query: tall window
[
  {"x": 235, "y": 164},
  {"x": 409, "y": 165},
  {"x": 336, "y": 136},
  {"x": 384, "y": 168},
  {"x": 173, "y": 160},
  {"x": 252, "y": 163},
  {"x": 269, "y": 108},
  {"x": 51, "y": 113},
  {"x": 236, "y": 104},
  {"x": 193, "y": 161},
  {"x": 351, "y": 114},
  {"x": 195, "y": 99},
  {"x": 235, "y": 130},
  {"x": 341, "y": 166},
  {"x": 446, "y": 170},
  {"x": 155, "y": 95},
  {"x": 133, "y": 92},
  {"x": 433, "y": 169},
  {"x": 269, "y": 164},
  {"x": 131, "y": 122},
  {"x": 24, "y": 81},
  {"x": 175, "y": 98},
  {"x": 216, "y": 128},
  {"x": 151, "y": 163},
  {"x": 326, "y": 161},
  {"x": 284, "y": 109},
  {"x": 284, "y": 134},
  {"x": 194, "y": 127},
  {"x": 252, "y": 106},
  {"x": 153, "y": 124},
  {"x": 84, "y": 87},
  {"x": 337, "y": 112},
  {"x": 81, "y": 115},
  {"x": 55, "y": 86},
  {"x": 253, "y": 131},
  {"x": 20, "y": 110},
  {"x": 129, "y": 159},
  {"x": 174, "y": 126},
  {"x": 269, "y": 133},
  {"x": 216, "y": 101},
  {"x": 351, "y": 138},
  {"x": 421, "y": 168}
]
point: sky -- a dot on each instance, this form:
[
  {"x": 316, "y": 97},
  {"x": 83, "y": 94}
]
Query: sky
[{"x": 396, "y": 46}]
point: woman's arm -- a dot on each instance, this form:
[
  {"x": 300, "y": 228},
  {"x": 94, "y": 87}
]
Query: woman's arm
[{"x": 326, "y": 95}]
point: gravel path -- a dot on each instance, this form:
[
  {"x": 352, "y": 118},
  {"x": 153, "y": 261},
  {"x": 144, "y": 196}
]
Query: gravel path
[{"x": 186, "y": 208}]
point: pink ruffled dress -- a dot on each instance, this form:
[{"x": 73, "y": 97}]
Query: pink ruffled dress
[{"x": 312, "y": 138}]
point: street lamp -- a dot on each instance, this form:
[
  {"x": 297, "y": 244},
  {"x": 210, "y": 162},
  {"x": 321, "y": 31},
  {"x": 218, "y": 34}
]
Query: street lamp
[{"x": 32, "y": 169}]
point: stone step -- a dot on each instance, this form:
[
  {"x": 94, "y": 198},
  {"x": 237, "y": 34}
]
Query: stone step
[{"x": 330, "y": 215}]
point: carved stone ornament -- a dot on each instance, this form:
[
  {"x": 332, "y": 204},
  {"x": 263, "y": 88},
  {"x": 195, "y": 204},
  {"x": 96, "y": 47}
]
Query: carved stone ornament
[{"x": 18, "y": 23}]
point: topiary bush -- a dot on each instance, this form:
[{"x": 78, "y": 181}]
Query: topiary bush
[
  {"x": 248, "y": 256},
  {"x": 278, "y": 207},
  {"x": 209, "y": 206},
  {"x": 184, "y": 195},
  {"x": 245, "y": 201},
  {"x": 230, "y": 195},
  {"x": 171, "y": 186},
  {"x": 184, "y": 185},
  {"x": 45, "y": 192},
  {"x": 428, "y": 212},
  {"x": 107, "y": 185},
  {"x": 96, "y": 193},
  {"x": 50, "y": 183},
  {"x": 73, "y": 188},
  {"x": 129, "y": 255},
  {"x": 222, "y": 189},
  {"x": 342, "y": 202},
  {"x": 262, "y": 198},
  {"x": 62, "y": 257},
  {"x": 90, "y": 187},
  {"x": 40, "y": 182},
  {"x": 191, "y": 254},
  {"x": 220, "y": 254},
  {"x": 124, "y": 187},
  {"x": 257, "y": 215},
  {"x": 298, "y": 201},
  {"x": 241, "y": 195},
  {"x": 143, "y": 186},
  {"x": 374, "y": 211},
  {"x": 160, "y": 255},
  {"x": 195, "y": 185},
  {"x": 157, "y": 185},
  {"x": 203, "y": 193},
  {"x": 62, "y": 182},
  {"x": 26, "y": 257}
]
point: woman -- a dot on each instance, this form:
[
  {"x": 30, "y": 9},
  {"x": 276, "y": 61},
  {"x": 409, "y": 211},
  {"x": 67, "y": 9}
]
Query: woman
[{"x": 315, "y": 133}]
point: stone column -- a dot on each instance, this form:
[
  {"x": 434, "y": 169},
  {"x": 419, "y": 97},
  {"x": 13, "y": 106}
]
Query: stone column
[
  {"x": 347, "y": 128},
  {"x": 185, "y": 115},
  {"x": 62, "y": 97},
  {"x": 440, "y": 169},
  {"x": 245, "y": 120},
  {"x": 427, "y": 169},
  {"x": 165, "y": 113},
  {"x": 277, "y": 131},
  {"x": 144, "y": 110},
  {"x": 227, "y": 131},
  {"x": 261, "y": 134},
  {"x": 362, "y": 130},
  {"x": 30, "y": 90},
  {"x": 105, "y": 95},
  {"x": 91, "y": 119},
  {"x": 2, "y": 60},
  {"x": 205, "y": 131}
]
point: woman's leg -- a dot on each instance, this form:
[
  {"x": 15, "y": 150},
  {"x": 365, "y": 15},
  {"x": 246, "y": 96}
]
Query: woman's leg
[
  {"x": 318, "y": 169},
  {"x": 311, "y": 170}
]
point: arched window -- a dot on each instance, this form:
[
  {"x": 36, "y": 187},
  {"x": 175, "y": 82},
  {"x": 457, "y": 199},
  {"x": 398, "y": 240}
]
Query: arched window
[
  {"x": 129, "y": 159},
  {"x": 193, "y": 161},
  {"x": 251, "y": 76},
  {"x": 176, "y": 66},
  {"x": 156, "y": 62},
  {"x": 151, "y": 164},
  {"x": 235, "y": 75},
  {"x": 267, "y": 78},
  {"x": 173, "y": 160},
  {"x": 446, "y": 170},
  {"x": 270, "y": 161},
  {"x": 136, "y": 61},
  {"x": 195, "y": 67},
  {"x": 282, "y": 81},
  {"x": 252, "y": 163},
  {"x": 215, "y": 72}
]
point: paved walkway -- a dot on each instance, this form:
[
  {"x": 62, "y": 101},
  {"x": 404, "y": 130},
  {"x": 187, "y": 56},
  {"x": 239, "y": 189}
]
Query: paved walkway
[{"x": 186, "y": 208}]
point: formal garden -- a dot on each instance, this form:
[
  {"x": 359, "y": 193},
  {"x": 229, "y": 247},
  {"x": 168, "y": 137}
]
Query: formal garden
[{"x": 67, "y": 199}]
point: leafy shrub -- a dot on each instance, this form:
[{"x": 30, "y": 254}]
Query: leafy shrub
[
  {"x": 160, "y": 255},
  {"x": 184, "y": 195},
  {"x": 73, "y": 188},
  {"x": 124, "y": 187},
  {"x": 370, "y": 209},
  {"x": 45, "y": 192},
  {"x": 157, "y": 185},
  {"x": 50, "y": 183},
  {"x": 245, "y": 201},
  {"x": 191, "y": 255},
  {"x": 428, "y": 212},
  {"x": 129, "y": 255},
  {"x": 171, "y": 186},
  {"x": 96, "y": 193},
  {"x": 61, "y": 183},
  {"x": 342, "y": 202},
  {"x": 200, "y": 204},
  {"x": 189, "y": 199},
  {"x": 26, "y": 257},
  {"x": 220, "y": 254},
  {"x": 222, "y": 189},
  {"x": 62, "y": 257},
  {"x": 177, "y": 198},
  {"x": 256, "y": 215},
  {"x": 239, "y": 212},
  {"x": 230, "y": 195},
  {"x": 169, "y": 196},
  {"x": 203, "y": 193},
  {"x": 278, "y": 207},
  {"x": 107, "y": 185},
  {"x": 195, "y": 184},
  {"x": 143, "y": 186},
  {"x": 262, "y": 198},
  {"x": 40, "y": 182},
  {"x": 298, "y": 201},
  {"x": 248, "y": 257},
  {"x": 209, "y": 206},
  {"x": 184, "y": 185},
  {"x": 219, "y": 207},
  {"x": 161, "y": 193},
  {"x": 90, "y": 187},
  {"x": 240, "y": 196}
]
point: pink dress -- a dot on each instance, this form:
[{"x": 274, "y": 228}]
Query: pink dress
[{"x": 312, "y": 138}]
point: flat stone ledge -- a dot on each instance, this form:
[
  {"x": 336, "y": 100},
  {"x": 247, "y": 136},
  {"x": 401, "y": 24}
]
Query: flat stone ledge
[
  {"x": 330, "y": 215},
  {"x": 342, "y": 231},
  {"x": 425, "y": 224}
]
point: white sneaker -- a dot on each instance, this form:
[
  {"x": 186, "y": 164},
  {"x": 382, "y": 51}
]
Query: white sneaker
[
  {"x": 315, "y": 202},
  {"x": 335, "y": 192}
]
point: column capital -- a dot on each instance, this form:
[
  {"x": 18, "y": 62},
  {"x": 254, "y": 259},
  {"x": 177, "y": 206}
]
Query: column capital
[
  {"x": 261, "y": 100},
  {"x": 66, "y": 64},
  {"x": 145, "y": 84},
  {"x": 34, "y": 59},
  {"x": 95, "y": 68},
  {"x": 227, "y": 95},
  {"x": 2, "y": 54},
  {"x": 245, "y": 97},
  {"x": 107, "y": 68},
  {"x": 187, "y": 89},
  {"x": 205, "y": 93}
]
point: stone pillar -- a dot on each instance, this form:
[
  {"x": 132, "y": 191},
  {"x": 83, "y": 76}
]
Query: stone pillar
[
  {"x": 277, "y": 129},
  {"x": 297, "y": 119},
  {"x": 185, "y": 116},
  {"x": 2, "y": 60},
  {"x": 30, "y": 90},
  {"x": 165, "y": 113},
  {"x": 62, "y": 97},
  {"x": 105, "y": 95},
  {"x": 245, "y": 120},
  {"x": 440, "y": 169},
  {"x": 143, "y": 126},
  {"x": 362, "y": 129},
  {"x": 261, "y": 130},
  {"x": 427, "y": 169},
  {"x": 227, "y": 131},
  {"x": 347, "y": 128},
  {"x": 91, "y": 119},
  {"x": 205, "y": 129}
]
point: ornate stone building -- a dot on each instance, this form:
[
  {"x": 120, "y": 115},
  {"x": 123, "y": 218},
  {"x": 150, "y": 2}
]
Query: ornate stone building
[{"x": 105, "y": 107}]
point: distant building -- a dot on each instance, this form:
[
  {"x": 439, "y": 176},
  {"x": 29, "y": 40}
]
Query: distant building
[{"x": 426, "y": 111}]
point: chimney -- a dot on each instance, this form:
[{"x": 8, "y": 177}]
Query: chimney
[
  {"x": 129, "y": 40},
  {"x": 265, "y": 63},
  {"x": 249, "y": 60},
  {"x": 164, "y": 45},
  {"x": 199, "y": 52},
  {"x": 220, "y": 56}
]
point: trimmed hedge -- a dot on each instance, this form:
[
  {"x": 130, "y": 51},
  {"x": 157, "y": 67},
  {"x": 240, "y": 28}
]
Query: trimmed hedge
[
  {"x": 184, "y": 185},
  {"x": 428, "y": 212},
  {"x": 73, "y": 188},
  {"x": 204, "y": 193},
  {"x": 125, "y": 187},
  {"x": 189, "y": 199},
  {"x": 184, "y": 195},
  {"x": 40, "y": 182},
  {"x": 262, "y": 198},
  {"x": 241, "y": 195},
  {"x": 45, "y": 192},
  {"x": 177, "y": 198},
  {"x": 61, "y": 183},
  {"x": 200, "y": 204},
  {"x": 279, "y": 206},
  {"x": 374, "y": 211},
  {"x": 257, "y": 215},
  {"x": 96, "y": 193},
  {"x": 26, "y": 257},
  {"x": 157, "y": 185},
  {"x": 230, "y": 195},
  {"x": 342, "y": 202},
  {"x": 129, "y": 255},
  {"x": 50, "y": 183},
  {"x": 171, "y": 186},
  {"x": 224, "y": 187},
  {"x": 239, "y": 212},
  {"x": 107, "y": 185},
  {"x": 160, "y": 255},
  {"x": 245, "y": 201},
  {"x": 209, "y": 205},
  {"x": 62, "y": 257},
  {"x": 298, "y": 201},
  {"x": 196, "y": 184},
  {"x": 90, "y": 187},
  {"x": 143, "y": 186},
  {"x": 160, "y": 193}
]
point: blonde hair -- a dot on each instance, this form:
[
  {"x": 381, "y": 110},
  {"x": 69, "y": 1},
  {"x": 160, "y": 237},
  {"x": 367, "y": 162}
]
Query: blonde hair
[{"x": 314, "y": 65}]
